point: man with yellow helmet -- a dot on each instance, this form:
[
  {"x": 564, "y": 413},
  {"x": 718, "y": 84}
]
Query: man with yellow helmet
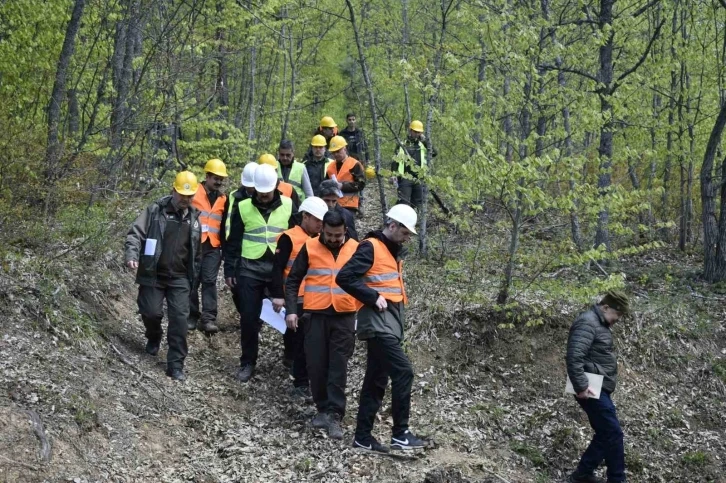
[
  {"x": 316, "y": 161},
  {"x": 164, "y": 247},
  {"x": 409, "y": 160}
]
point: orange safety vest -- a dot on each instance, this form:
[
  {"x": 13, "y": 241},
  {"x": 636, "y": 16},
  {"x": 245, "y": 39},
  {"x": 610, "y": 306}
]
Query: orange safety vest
[
  {"x": 321, "y": 291},
  {"x": 210, "y": 216},
  {"x": 298, "y": 236},
  {"x": 285, "y": 189},
  {"x": 349, "y": 200},
  {"x": 385, "y": 275}
]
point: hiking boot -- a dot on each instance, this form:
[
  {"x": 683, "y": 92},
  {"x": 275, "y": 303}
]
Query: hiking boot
[
  {"x": 334, "y": 429},
  {"x": 208, "y": 327},
  {"x": 176, "y": 374},
  {"x": 370, "y": 444},
  {"x": 320, "y": 421},
  {"x": 576, "y": 477},
  {"x": 191, "y": 324},
  {"x": 245, "y": 373},
  {"x": 407, "y": 441},
  {"x": 304, "y": 393},
  {"x": 152, "y": 347}
]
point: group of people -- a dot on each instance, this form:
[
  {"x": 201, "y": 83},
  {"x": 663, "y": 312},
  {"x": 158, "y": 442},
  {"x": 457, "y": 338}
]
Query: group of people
[{"x": 287, "y": 234}]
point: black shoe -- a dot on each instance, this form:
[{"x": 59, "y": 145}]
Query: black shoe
[
  {"x": 580, "y": 478},
  {"x": 191, "y": 324},
  {"x": 407, "y": 441},
  {"x": 176, "y": 374},
  {"x": 334, "y": 429},
  {"x": 370, "y": 445},
  {"x": 152, "y": 347},
  {"x": 245, "y": 373},
  {"x": 208, "y": 327},
  {"x": 304, "y": 393},
  {"x": 321, "y": 421}
]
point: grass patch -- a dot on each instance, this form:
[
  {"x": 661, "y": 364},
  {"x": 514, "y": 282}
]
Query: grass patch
[
  {"x": 532, "y": 453},
  {"x": 695, "y": 459}
]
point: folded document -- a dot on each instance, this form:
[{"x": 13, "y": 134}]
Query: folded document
[{"x": 593, "y": 380}]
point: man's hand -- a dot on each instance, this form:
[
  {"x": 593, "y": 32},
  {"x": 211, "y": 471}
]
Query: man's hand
[
  {"x": 230, "y": 282},
  {"x": 586, "y": 393},
  {"x": 132, "y": 264},
  {"x": 381, "y": 304},
  {"x": 278, "y": 304},
  {"x": 291, "y": 321}
]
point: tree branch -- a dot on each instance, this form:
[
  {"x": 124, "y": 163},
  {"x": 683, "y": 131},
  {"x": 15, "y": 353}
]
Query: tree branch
[
  {"x": 579, "y": 72},
  {"x": 641, "y": 60}
]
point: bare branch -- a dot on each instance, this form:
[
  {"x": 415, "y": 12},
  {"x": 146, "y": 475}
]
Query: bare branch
[
  {"x": 647, "y": 6},
  {"x": 641, "y": 60},
  {"x": 579, "y": 72}
]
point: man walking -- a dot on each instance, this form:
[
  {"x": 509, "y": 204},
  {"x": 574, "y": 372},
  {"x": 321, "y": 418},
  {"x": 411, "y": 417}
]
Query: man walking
[
  {"x": 330, "y": 331},
  {"x": 210, "y": 202},
  {"x": 374, "y": 277},
  {"x": 292, "y": 171},
  {"x": 357, "y": 147},
  {"x": 329, "y": 193},
  {"x": 410, "y": 159},
  {"x": 316, "y": 163},
  {"x": 348, "y": 172},
  {"x": 312, "y": 210},
  {"x": 248, "y": 258},
  {"x": 164, "y": 247},
  {"x": 590, "y": 349}
]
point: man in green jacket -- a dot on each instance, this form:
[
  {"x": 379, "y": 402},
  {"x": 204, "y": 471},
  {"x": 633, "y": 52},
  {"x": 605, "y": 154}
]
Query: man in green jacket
[
  {"x": 590, "y": 349},
  {"x": 164, "y": 247},
  {"x": 409, "y": 160}
]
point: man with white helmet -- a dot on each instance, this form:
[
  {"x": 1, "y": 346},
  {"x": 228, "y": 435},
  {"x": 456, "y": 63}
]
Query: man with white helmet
[
  {"x": 374, "y": 277},
  {"x": 249, "y": 254},
  {"x": 289, "y": 244}
]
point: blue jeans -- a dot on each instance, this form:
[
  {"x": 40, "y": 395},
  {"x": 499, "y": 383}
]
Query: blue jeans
[{"x": 607, "y": 443}]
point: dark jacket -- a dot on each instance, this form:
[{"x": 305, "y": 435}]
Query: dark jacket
[
  {"x": 349, "y": 220},
  {"x": 413, "y": 149},
  {"x": 590, "y": 349},
  {"x": 316, "y": 171},
  {"x": 357, "y": 146},
  {"x": 350, "y": 279},
  {"x": 152, "y": 224}
]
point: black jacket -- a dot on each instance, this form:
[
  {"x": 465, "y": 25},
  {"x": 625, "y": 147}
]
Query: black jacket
[
  {"x": 590, "y": 349},
  {"x": 316, "y": 171},
  {"x": 413, "y": 149},
  {"x": 357, "y": 146},
  {"x": 349, "y": 220}
]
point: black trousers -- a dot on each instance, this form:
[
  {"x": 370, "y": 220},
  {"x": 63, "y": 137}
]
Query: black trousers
[
  {"x": 329, "y": 344},
  {"x": 250, "y": 293},
  {"x": 410, "y": 192},
  {"x": 385, "y": 359},
  {"x": 211, "y": 260},
  {"x": 294, "y": 342},
  {"x": 151, "y": 308}
]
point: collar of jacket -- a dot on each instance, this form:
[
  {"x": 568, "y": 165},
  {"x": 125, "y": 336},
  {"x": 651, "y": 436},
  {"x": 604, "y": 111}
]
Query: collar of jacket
[
  {"x": 600, "y": 315},
  {"x": 395, "y": 249},
  {"x": 276, "y": 201}
]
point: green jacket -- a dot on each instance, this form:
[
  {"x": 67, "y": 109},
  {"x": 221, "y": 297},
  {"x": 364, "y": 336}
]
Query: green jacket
[{"x": 151, "y": 224}]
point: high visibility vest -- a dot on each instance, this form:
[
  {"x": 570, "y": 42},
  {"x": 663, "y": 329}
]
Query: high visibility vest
[
  {"x": 298, "y": 236},
  {"x": 294, "y": 177},
  {"x": 209, "y": 216},
  {"x": 349, "y": 200},
  {"x": 285, "y": 189},
  {"x": 403, "y": 156},
  {"x": 321, "y": 291},
  {"x": 259, "y": 235},
  {"x": 385, "y": 275}
]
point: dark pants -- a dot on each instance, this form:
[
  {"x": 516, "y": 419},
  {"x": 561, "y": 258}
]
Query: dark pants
[
  {"x": 211, "y": 260},
  {"x": 294, "y": 342},
  {"x": 250, "y": 293},
  {"x": 410, "y": 192},
  {"x": 329, "y": 344},
  {"x": 151, "y": 308},
  {"x": 385, "y": 359},
  {"x": 607, "y": 443}
]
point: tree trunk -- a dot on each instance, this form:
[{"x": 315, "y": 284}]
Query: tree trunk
[
  {"x": 404, "y": 50},
  {"x": 714, "y": 228}
]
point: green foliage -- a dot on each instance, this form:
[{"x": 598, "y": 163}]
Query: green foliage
[
  {"x": 695, "y": 459},
  {"x": 532, "y": 453}
]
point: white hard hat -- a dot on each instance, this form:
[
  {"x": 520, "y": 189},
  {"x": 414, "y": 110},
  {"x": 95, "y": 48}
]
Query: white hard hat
[
  {"x": 248, "y": 175},
  {"x": 405, "y": 215},
  {"x": 265, "y": 179},
  {"x": 315, "y": 206}
]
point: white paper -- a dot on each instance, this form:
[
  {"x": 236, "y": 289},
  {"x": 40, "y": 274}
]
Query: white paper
[
  {"x": 340, "y": 193},
  {"x": 593, "y": 380},
  {"x": 150, "y": 247},
  {"x": 275, "y": 319},
  {"x": 205, "y": 228}
]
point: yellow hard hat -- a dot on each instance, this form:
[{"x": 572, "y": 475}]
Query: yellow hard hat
[
  {"x": 337, "y": 143},
  {"x": 416, "y": 126},
  {"x": 216, "y": 166},
  {"x": 268, "y": 159},
  {"x": 370, "y": 172},
  {"x": 319, "y": 141},
  {"x": 327, "y": 121},
  {"x": 186, "y": 183}
]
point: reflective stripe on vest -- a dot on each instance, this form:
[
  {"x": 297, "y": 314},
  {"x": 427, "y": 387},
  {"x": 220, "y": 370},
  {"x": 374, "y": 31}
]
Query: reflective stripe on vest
[
  {"x": 209, "y": 216},
  {"x": 402, "y": 157},
  {"x": 321, "y": 291},
  {"x": 294, "y": 177},
  {"x": 385, "y": 275},
  {"x": 349, "y": 200},
  {"x": 260, "y": 235}
]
